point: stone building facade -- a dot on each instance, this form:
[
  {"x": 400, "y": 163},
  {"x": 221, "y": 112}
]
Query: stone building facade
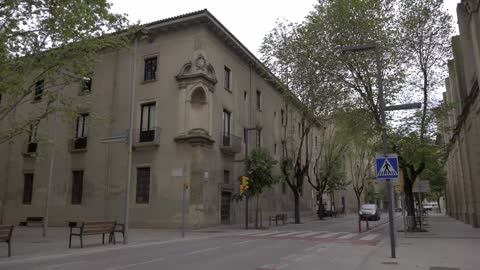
[
  {"x": 201, "y": 97},
  {"x": 461, "y": 129}
]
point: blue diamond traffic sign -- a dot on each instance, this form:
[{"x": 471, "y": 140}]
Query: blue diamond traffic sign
[{"x": 387, "y": 167}]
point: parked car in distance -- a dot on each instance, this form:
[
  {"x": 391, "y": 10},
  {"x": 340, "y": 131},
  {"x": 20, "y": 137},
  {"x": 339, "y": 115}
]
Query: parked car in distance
[
  {"x": 369, "y": 211},
  {"x": 427, "y": 207},
  {"x": 398, "y": 209}
]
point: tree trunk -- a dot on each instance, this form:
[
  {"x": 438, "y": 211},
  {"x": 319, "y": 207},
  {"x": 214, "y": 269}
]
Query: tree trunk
[
  {"x": 438, "y": 205},
  {"x": 297, "y": 207},
  {"x": 358, "y": 203},
  {"x": 320, "y": 206},
  {"x": 256, "y": 213},
  {"x": 410, "y": 203}
]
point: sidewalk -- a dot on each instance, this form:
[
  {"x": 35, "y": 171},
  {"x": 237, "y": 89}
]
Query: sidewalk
[
  {"x": 448, "y": 245},
  {"x": 28, "y": 241}
]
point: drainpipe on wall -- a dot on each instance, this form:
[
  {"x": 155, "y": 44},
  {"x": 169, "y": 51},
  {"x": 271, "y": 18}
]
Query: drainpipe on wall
[{"x": 130, "y": 142}]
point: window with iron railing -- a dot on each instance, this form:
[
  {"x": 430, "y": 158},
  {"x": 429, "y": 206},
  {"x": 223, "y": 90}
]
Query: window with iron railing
[
  {"x": 80, "y": 141},
  {"x": 147, "y": 122},
  {"x": 226, "y": 127}
]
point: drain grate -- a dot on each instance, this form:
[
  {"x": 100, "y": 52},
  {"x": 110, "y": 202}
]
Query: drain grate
[{"x": 443, "y": 268}]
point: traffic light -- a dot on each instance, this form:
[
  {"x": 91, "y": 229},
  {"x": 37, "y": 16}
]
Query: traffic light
[{"x": 244, "y": 185}]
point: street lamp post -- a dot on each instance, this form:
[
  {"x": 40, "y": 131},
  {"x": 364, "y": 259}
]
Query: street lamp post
[
  {"x": 384, "y": 128},
  {"x": 51, "y": 165}
]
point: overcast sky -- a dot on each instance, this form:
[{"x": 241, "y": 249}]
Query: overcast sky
[{"x": 248, "y": 20}]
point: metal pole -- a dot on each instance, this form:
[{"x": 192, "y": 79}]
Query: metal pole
[
  {"x": 183, "y": 208},
  {"x": 130, "y": 144},
  {"x": 385, "y": 150},
  {"x": 52, "y": 160},
  {"x": 246, "y": 194}
]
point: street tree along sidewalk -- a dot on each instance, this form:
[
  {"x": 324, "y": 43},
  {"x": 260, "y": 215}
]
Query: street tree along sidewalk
[
  {"x": 259, "y": 172},
  {"x": 413, "y": 37},
  {"x": 37, "y": 40},
  {"x": 328, "y": 166}
]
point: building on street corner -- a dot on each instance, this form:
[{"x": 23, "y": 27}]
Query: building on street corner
[{"x": 201, "y": 96}]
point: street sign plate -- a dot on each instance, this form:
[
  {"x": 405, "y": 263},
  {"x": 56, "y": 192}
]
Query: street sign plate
[
  {"x": 387, "y": 167},
  {"x": 422, "y": 186}
]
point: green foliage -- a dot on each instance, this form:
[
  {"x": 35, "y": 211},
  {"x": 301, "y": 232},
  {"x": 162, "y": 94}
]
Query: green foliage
[
  {"x": 37, "y": 39},
  {"x": 259, "y": 172}
]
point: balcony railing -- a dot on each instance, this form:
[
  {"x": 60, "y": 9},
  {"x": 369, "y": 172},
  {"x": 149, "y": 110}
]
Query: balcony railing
[
  {"x": 78, "y": 144},
  {"x": 146, "y": 138},
  {"x": 230, "y": 143}
]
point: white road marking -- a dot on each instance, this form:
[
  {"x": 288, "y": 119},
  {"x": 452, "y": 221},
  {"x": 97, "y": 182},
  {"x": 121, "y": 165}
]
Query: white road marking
[
  {"x": 286, "y": 234},
  {"x": 347, "y": 236},
  {"x": 267, "y": 266},
  {"x": 268, "y": 233},
  {"x": 312, "y": 247},
  {"x": 244, "y": 242},
  {"x": 369, "y": 236},
  {"x": 202, "y": 250},
  {"x": 248, "y": 233},
  {"x": 281, "y": 266},
  {"x": 52, "y": 266},
  {"x": 135, "y": 264},
  {"x": 291, "y": 256},
  {"x": 329, "y": 235},
  {"x": 309, "y": 234}
]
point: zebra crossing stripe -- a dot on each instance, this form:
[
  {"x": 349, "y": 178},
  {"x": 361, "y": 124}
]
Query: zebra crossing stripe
[
  {"x": 248, "y": 233},
  {"x": 288, "y": 233},
  {"x": 328, "y": 235},
  {"x": 347, "y": 236},
  {"x": 268, "y": 233},
  {"x": 309, "y": 234},
  {"x": 369, "y": 237}
]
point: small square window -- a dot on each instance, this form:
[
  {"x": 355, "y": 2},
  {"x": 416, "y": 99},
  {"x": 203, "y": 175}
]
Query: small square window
[{"x": 150, "y": 70}]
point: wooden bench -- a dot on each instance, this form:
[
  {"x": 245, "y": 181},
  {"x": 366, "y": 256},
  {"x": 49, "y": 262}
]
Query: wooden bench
[
  {"x": 277, "y": 217},
  {"x": 6, "y": 236},
  {"x": 93, "y": 228},
  {"x": 34, "y": 220}
]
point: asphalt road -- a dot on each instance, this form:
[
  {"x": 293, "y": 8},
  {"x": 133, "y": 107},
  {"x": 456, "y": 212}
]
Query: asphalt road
[{"x": 326, "y": 244}]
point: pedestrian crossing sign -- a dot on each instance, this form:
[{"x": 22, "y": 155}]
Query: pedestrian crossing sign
[{"x": 387, "y": 167}]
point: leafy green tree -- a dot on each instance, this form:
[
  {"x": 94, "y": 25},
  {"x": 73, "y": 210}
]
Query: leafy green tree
[
  {"x": 259, "y": 172},
  {"x": 425, "y": 28},
  {"x": 328, "y": 167},
  {"x": 37, "y": 40},
  {"x": 300, "y": 58}
]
